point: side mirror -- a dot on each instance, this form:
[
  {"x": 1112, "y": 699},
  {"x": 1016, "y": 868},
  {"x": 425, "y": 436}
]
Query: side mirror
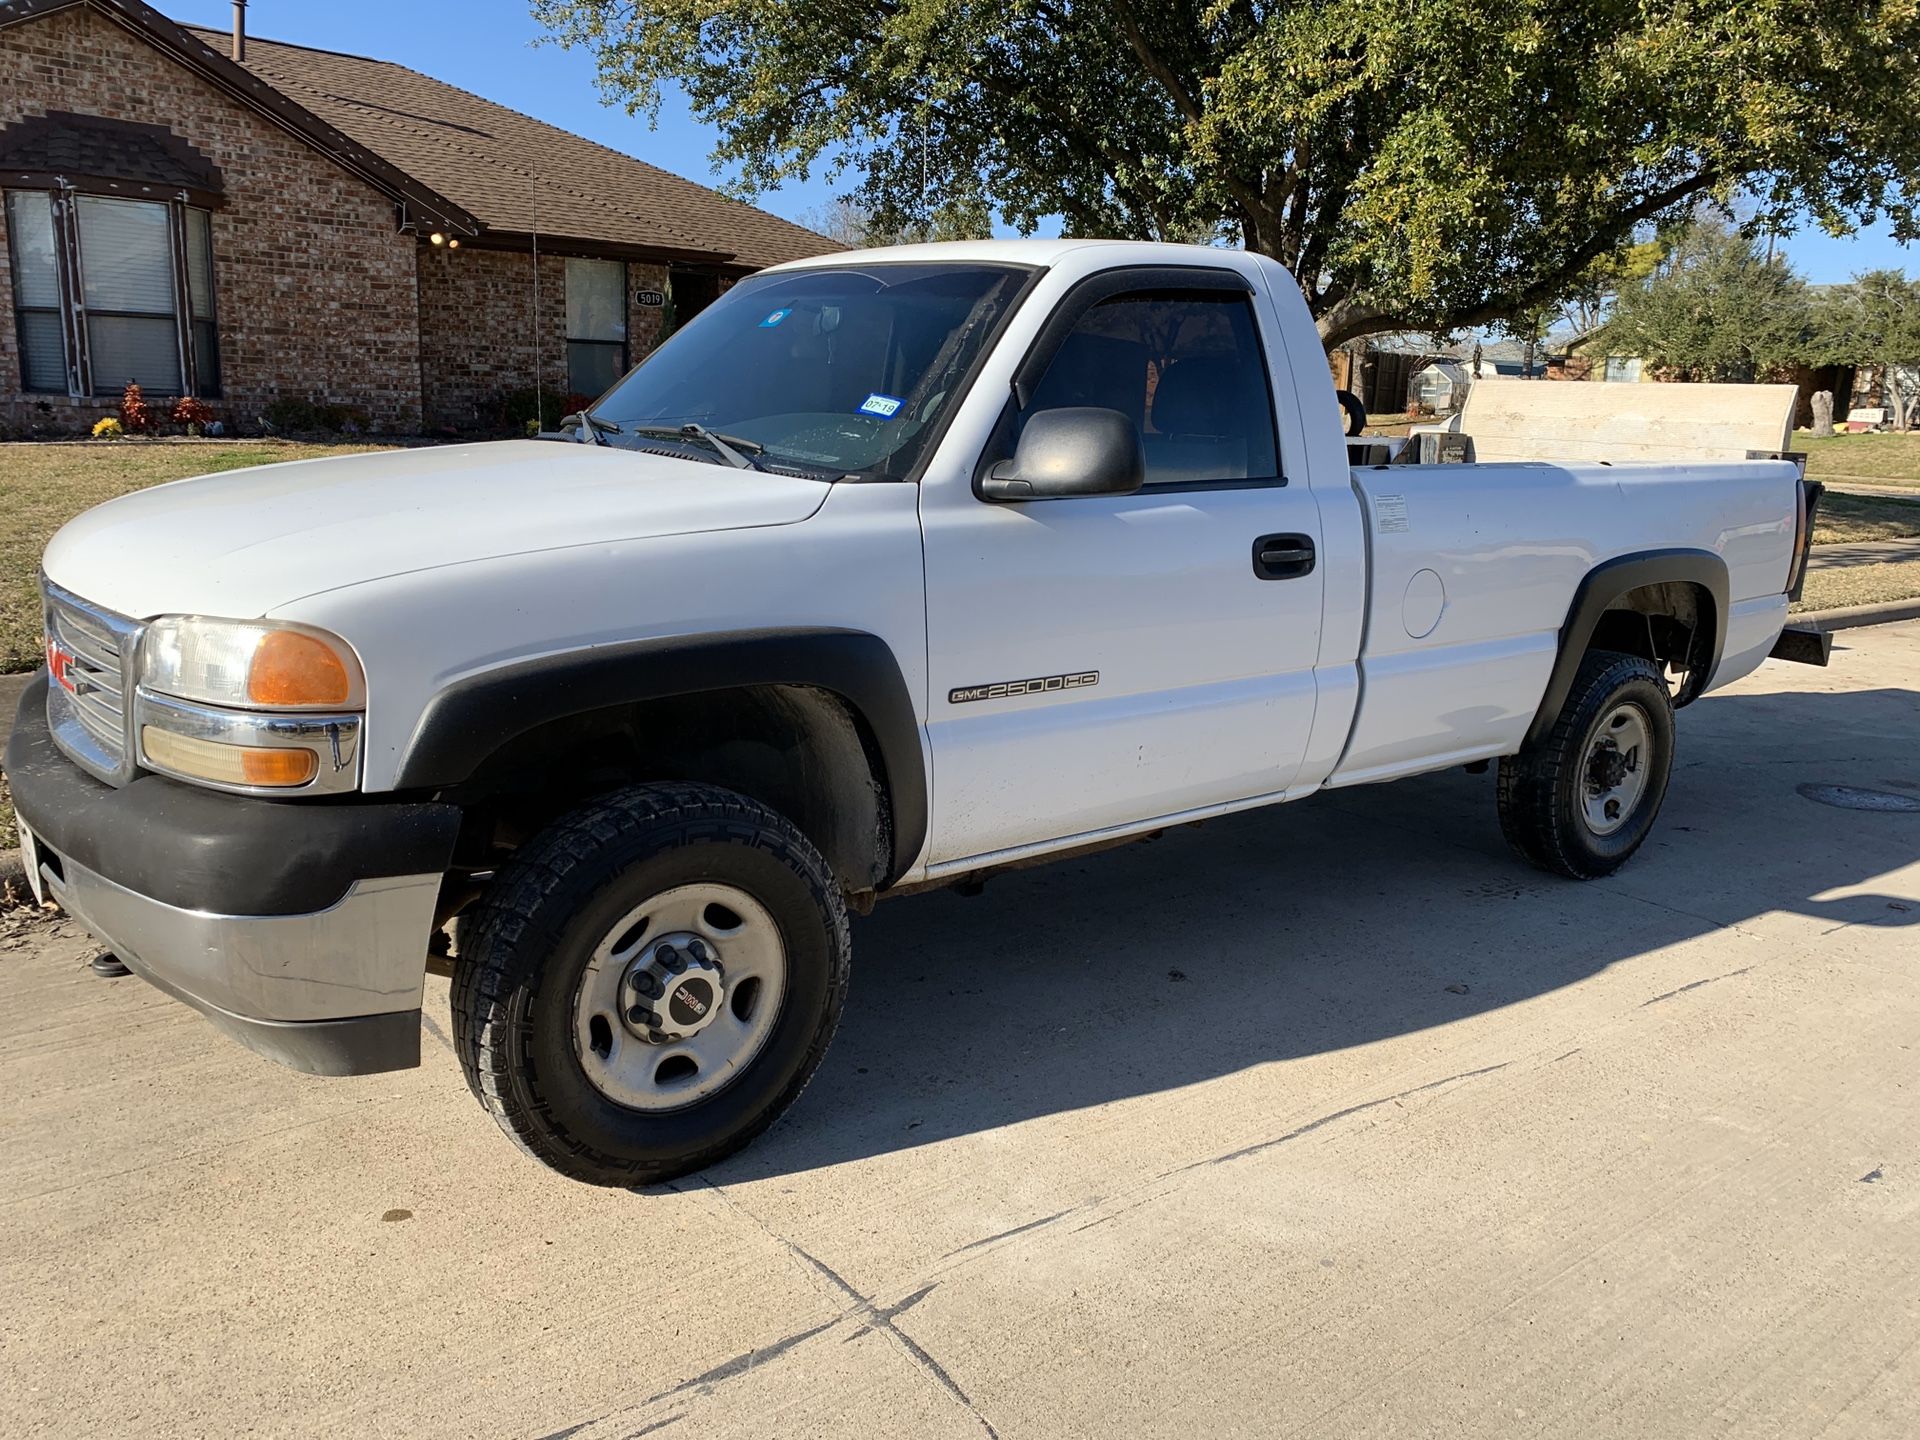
[{"x": 1078, "y": 450}]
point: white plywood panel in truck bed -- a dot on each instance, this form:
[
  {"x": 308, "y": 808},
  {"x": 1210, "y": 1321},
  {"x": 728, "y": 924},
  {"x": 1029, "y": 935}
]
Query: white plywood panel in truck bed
[{"x": 1512, "y": 419}]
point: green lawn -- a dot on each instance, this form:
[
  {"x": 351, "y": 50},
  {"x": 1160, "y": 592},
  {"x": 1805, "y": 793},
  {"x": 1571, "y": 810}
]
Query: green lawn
[
  {"x": 44, "y": 486},
  {"x": 1847, "y": 519},
  {"x": 1861, "y": 585},
  {"x": 1868, "y": 459}
]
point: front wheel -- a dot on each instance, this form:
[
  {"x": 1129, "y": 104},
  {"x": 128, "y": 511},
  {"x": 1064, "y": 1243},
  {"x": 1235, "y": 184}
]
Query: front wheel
[
  {"x": 651, "y": 982},
  {"x": 1581, "y": 800}
]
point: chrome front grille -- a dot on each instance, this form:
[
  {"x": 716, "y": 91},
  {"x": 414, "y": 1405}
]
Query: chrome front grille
[{"x": 88, "y": 651}]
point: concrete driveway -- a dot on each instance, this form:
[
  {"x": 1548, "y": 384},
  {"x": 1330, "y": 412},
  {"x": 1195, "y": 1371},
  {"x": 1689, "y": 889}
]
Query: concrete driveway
[{"x": 1333, "y": 1121}]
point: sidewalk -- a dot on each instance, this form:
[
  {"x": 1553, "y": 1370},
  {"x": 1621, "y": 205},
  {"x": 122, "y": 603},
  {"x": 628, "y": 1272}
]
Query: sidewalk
[{"x": 1865, "y": 552}]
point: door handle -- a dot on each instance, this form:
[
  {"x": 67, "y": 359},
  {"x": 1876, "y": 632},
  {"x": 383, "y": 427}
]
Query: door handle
[{"x": 1283, "y": 557}]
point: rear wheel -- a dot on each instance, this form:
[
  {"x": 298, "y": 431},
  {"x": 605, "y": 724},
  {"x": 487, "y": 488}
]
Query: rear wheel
[
  {"x": 650, "y": 983},
  {"x": 1581, "y": 800}
]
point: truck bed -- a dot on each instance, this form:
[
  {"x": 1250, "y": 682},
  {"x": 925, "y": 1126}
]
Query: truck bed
[{"x": 1472, "y": 569}]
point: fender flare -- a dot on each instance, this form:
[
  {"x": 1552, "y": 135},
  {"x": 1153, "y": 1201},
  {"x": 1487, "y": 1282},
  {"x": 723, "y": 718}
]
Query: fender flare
[
  {"x": 469, "y": 721},
  {"x": 1603, "y": 587}
]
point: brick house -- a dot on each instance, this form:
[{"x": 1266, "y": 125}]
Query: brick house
[{"x": 256, "y": 222}]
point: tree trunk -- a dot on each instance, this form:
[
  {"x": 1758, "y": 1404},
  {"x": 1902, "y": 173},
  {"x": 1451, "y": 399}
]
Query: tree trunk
[{"x": 1823, "y": 412}]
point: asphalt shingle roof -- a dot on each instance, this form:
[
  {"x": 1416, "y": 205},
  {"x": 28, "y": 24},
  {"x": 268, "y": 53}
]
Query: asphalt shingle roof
[
  {"x": 63, "y": 143},
  {"x": 514, "y": 173}
]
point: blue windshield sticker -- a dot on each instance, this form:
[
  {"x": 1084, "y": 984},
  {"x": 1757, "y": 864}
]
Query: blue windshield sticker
[
  {"x": 776, "y": 317},
  {"x": 881, "y": 407}
]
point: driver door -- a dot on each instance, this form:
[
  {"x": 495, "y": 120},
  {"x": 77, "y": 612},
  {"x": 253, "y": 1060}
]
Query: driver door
[{"x": 1101, "y": 661}]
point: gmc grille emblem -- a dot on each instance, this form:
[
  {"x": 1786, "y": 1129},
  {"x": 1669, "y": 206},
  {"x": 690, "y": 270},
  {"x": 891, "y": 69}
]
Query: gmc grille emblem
[{"x": 60, "y": 667}]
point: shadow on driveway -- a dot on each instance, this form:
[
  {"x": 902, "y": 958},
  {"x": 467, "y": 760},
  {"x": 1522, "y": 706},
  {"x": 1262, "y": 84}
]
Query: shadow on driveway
[{"x": 1343, "y": 919}]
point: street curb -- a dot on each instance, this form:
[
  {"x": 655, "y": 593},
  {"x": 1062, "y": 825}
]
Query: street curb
[{"x": 1848, "y": 617}]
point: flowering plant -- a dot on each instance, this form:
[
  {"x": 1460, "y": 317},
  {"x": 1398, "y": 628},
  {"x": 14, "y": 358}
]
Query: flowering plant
[
  {"x": 135, "y": 413},
  {"x": 193, "y": 414}
]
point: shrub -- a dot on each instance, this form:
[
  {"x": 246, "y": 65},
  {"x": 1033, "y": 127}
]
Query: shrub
[
  {"x": 108, "y": 428},
  {"x": 135, "y": 414},
  {"x": 291, "y": 415},
  {"x": 520, "y": 409},
  {"x": 195, "y": 415}
]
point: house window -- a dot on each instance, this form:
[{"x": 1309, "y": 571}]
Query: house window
[
  {"x": 596, "y": 325},
  {"x": 204, "y": 335},
  {"x": 137, "y": 277},
  {"x": 36, "y": 292}
]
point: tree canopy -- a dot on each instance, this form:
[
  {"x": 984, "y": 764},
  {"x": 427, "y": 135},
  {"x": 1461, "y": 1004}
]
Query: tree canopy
[
  {"x": 1875, "y": 320},
  {"x": 1418, "y": 164},
  {"x": 1716, "y": 308}
]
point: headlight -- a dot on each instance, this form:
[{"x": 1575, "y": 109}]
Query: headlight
[
  {"x": 249, "y": 705},
  {"x": 250, "y": 663}
]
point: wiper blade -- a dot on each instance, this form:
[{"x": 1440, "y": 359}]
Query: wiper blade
[
  {"x": 596, "y": 429},
  {"x": 737, "y": 451}
]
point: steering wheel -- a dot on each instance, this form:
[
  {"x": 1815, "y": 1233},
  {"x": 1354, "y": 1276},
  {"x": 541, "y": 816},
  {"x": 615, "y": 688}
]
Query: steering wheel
[{"x": 1356, "y": 412}]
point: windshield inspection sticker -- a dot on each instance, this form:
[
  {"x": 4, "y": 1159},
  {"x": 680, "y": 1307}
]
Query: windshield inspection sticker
[
  {"x": 881, "y": 407},
  {"x": 1390, "y": 514},
  {"x": 776, "y": 317}
]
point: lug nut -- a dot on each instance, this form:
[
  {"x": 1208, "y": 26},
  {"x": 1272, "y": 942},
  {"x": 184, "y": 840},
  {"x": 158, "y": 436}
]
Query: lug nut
[
  {"x": 639, "y": 1016},
  {"x": 697, "y": 949}
]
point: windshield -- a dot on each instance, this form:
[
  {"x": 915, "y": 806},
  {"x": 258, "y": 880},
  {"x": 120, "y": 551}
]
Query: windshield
[{"x": 831, "y": 372}]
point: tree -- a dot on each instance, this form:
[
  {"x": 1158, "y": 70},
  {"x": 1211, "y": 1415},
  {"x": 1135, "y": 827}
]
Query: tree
[
  {"x": 1715, "y": 309},
  {"x": 1587, "y": 301},
  {"x": 850, "y": 224},
  {"x": 1875, "y": 320},
  {"x": 1421, "y": 165}
]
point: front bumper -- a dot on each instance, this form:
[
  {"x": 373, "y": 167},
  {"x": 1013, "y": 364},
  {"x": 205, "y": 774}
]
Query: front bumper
[{"x": 299, "y": 928}]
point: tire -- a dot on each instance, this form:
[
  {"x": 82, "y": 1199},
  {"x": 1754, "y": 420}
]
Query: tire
[
  {"x": 1549, "y": 792},
  {"x": 1354, "y": 413},
  {"x": 542, "y": 945}
]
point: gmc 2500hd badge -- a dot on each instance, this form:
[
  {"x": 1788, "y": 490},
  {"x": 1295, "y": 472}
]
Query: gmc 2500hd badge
[{"x": 1040, "y": 685}]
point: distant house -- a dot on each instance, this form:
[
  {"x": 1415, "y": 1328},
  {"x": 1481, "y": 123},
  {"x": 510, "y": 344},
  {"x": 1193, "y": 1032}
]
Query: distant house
[{"x": 253, "y": 222}]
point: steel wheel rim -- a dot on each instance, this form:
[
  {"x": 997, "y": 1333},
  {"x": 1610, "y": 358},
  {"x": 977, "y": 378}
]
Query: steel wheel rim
[
  {"x": 1614, "y": 778},
  {"x": 615, "y": 1053}
]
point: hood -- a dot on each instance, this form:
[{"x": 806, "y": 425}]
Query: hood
[{"x": 240, "y": 544}]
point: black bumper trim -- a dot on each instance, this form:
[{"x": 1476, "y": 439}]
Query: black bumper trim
[{"x": 200, "y": 849}]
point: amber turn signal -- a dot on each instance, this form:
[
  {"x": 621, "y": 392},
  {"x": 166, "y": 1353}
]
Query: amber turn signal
[
  {"x": 198, "y": 759},
  {"x": 290, "y": 669}
]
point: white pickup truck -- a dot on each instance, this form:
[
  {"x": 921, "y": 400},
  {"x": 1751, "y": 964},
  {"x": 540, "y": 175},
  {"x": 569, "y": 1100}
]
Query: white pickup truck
[{"x": 891, "y": 570}]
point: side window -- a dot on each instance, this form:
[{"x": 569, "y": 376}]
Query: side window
[{"x": 1186, "y": 367}]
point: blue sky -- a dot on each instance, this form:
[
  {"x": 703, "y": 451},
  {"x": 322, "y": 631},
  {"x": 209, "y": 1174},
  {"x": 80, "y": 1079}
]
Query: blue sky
[{"x": 486, "y": 46}]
